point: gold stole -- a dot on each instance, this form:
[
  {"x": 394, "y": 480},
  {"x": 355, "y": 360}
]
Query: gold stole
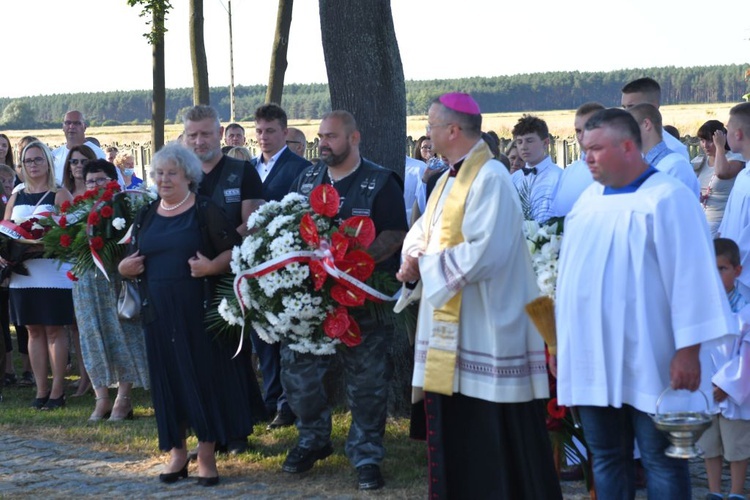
[{"x": 440, "y": 364}]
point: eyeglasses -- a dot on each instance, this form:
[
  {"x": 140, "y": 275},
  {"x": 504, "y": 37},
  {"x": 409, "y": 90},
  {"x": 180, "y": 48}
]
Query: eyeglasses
[
  {"x": 38, "y": 161},
  {"x": 430, "y": 127},
  {"x": 101, "y": 181},
  {"x": 293, "y": 142},
  {"x": 76, "y": 161},
  {"x": 428, "y": 148}
]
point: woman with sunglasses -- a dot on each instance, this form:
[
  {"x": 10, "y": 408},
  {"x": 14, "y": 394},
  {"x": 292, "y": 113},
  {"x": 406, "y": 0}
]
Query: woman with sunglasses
[{"x": 73, "y": 169}]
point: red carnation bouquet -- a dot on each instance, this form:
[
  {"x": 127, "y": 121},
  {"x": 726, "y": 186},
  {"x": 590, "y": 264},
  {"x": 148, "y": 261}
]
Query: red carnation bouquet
[
  {"x": 299, "y": 275},
  {"x": 21, "y": 242},
  {"x": 93, "y": 229}
]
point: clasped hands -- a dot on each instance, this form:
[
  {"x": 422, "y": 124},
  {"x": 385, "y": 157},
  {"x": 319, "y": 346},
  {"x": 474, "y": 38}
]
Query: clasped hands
[{"x": 133, "y": 265}]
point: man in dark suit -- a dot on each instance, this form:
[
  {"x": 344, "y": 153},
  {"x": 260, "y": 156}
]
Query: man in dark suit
[{"x": 278, "y": 167}]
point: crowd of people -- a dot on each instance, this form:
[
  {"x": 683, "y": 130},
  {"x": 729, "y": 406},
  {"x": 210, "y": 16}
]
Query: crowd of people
[{"x": 651, "y": 294}]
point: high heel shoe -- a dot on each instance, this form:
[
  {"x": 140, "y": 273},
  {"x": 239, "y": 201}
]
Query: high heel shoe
[
  {"x": 39, "y": 403},
  {"x": 118, "y": 417},
  {"x": 95, "y": 418},
  {"x": 54, "y": 404},
  {"x": 208, "y": 481},
  {"x": 173, "y": 477}
]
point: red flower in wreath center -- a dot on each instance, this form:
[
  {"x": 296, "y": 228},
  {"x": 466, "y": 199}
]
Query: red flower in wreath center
[
  {"x": 106, "y": 211},
  {"x": 96, "y": 243}
]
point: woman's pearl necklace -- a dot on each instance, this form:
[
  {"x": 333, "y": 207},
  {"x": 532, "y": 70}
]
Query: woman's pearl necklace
[{"x": 174, "y": 207}]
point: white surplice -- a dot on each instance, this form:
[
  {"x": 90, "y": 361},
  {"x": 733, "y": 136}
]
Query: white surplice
[
  {"x": 501, "y": 355},
  {"x": 735, "y": 224},
  {"x": 637, "y": 281}
]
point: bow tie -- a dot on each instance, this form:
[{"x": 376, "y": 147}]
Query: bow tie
[{"x": 527, "y": 171}]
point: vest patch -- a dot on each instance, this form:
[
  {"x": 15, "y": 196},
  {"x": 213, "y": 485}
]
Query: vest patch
[{"x": 232, "y": 195}]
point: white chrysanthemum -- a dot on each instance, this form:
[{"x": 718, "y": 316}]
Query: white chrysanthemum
[{"x": 118, "y": 223}]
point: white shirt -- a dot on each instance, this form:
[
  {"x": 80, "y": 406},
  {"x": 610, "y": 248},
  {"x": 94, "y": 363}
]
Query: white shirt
[
  {"x": 61, "y": 153},
  {"x": 500, "y": 354},
  {"x": 735, "y": 225},
  {"x": 265, "y": 168},
  {"x": 541, "y": 187},
  {"x": 676, "y": 145},
  {"x": 412, "y": 176},
  {"x": 678, "y": 167},
  {"x": 574, "y": 180},
  {"x": 637, "y": 281}
]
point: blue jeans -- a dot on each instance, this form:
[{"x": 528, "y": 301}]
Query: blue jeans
[{"x": 609, "y": 433}]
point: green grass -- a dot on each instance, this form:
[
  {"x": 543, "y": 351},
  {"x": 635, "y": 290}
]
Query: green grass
[{"x": 404, "y": 468}]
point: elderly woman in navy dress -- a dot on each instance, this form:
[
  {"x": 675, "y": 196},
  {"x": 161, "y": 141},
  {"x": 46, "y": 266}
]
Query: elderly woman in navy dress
[{"x": 181, "y": 242}]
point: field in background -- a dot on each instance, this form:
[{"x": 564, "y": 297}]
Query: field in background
[{"x": 687, "y": 118}]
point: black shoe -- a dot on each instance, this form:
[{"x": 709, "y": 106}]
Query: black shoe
[
  {"x": 27, "y": 379},
  {"x": 282, "y": 419},
  {"x": 54, "y": 404},
  {"x": 302, "y": 459},
  {"x": 39, "y": 403},
  {"x": 369, "y": 477},
  {"x": 10, "y": 379},
  {"x": 173, "y": 477},
  {"x": 208, "y": 481},
  {"x": 235, "y": 447}
]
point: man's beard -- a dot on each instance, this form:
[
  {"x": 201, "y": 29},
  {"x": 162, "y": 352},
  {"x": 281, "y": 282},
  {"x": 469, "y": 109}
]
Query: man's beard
[
  {"x": 333, "y": 160},
  {"x": 209, "y": 155}
]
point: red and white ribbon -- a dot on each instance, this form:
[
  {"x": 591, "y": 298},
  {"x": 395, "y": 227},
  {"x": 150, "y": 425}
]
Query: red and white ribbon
[{"x": 322, "y": 254}]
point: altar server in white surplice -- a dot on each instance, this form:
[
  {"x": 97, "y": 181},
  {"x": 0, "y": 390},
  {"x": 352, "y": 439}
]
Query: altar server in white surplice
[
  {"x": 478, "y": 359},
  {"x": 735, "y": 224},
  {"x": 638, "y": 292}
]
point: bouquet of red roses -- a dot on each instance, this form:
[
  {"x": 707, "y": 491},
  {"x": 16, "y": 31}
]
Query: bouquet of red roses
[
  {"x": 92, "y": 230},
  {"x": 21, "y": 242}
]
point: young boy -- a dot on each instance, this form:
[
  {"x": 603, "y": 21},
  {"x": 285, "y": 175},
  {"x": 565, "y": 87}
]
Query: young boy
[
  {"x": 729, "y": 435},
  {"x": 535, "y": 182}
]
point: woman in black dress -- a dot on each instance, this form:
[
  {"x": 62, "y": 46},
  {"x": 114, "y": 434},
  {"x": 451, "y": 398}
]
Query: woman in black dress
[{"x": 180, "y": 242}]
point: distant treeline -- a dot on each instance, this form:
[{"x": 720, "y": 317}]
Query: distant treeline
[{"x": 528, "y": 92}]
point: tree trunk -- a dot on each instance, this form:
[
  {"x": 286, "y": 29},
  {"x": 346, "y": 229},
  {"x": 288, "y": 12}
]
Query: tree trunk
[
  {"x": 365, "y": 77},
  {"x": 158, "y": 102},
  {"x": 198, "y": 54},
  {"x": 278, "y": 55}
]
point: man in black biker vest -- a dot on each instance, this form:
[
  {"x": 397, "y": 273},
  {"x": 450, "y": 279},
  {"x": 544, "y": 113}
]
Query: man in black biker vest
[
  {"x": 369, "y": 190},
  {"x": 235, "y": 186}
]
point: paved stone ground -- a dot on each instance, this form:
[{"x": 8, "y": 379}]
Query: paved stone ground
[{"x": 44, "y": 469}]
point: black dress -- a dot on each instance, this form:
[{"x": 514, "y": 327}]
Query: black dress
[{"x": 188, "y": 367}]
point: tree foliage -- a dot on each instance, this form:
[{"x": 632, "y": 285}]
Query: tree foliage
[
  {"x": 530, "y": 92},
  {"x": 18, "y": 114}
]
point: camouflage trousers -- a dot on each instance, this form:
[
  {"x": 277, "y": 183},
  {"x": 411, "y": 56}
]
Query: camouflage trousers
[{"x": 367, "y": 371}]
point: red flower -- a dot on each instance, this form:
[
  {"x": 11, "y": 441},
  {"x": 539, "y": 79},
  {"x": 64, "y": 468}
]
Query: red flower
[
  {"x": 358, "y": 264},
  {"x": 360, "y": 229},
  {"x": 65, "y": 240},
  {"x": 93, "y": 219},
  {"x": 106, "y": 211},
  {"x": 63, "y": 222},
  {"x": 65, "y": 206},
  {"x": 107, "y": 195},
  {"x": 113, "y": 186},
  {"x": 336, "y": 323},
  {"x": 318, "y": 273},
  {"x": 347, "y": 297},
  {"x": 71, "y": 276},
  {"x": 339, "y": 245},
  {"x": 555, "y": 411},
  {"x": 96, "y": 243},
  {"x": 352, "y": 337},
  {"x": 325, "y": 200},
  {"x": 78, "y": 199},
  {"x": 308, "y": 231}
]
